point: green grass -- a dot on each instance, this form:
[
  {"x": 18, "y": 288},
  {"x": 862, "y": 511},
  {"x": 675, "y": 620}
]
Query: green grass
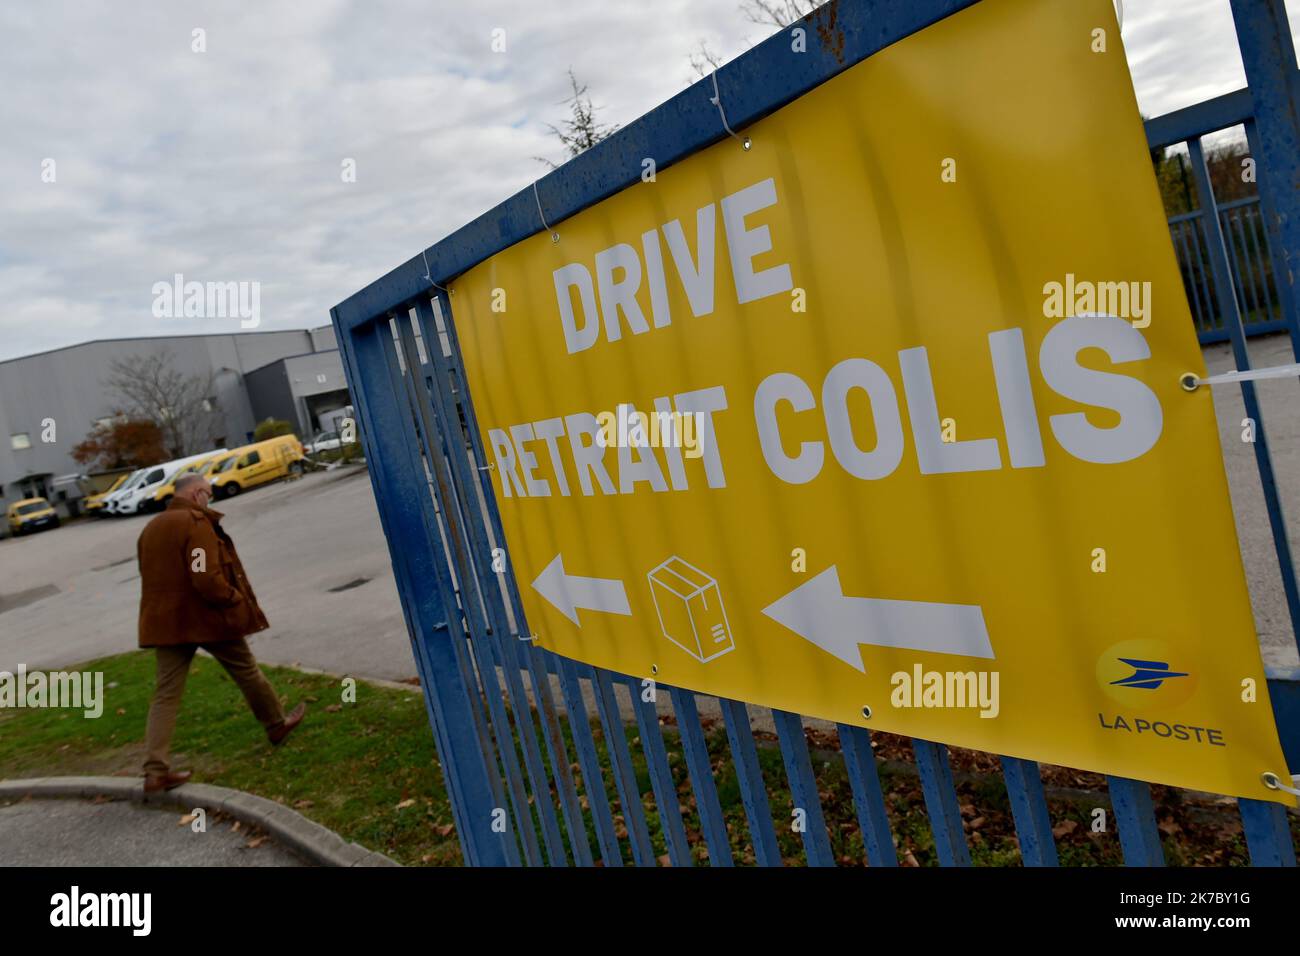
[
  {"x": 348, "y": 769},
  {"x": 368, "y": 770}
]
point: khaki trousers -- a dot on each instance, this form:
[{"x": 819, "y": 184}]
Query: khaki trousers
[{"x": 174, "y": 667}]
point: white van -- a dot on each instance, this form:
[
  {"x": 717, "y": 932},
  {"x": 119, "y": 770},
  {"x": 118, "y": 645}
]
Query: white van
[
  {"x": 132, "y": 480},
  {"x": 131, "y": 498}
]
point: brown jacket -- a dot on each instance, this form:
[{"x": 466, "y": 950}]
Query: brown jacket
[{"x": 193, "y": 589}]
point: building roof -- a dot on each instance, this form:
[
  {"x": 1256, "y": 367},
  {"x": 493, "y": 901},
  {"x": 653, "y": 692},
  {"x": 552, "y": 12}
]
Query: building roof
[
  {"x": 285, "y": 358},
  {"x": 145, "y": 338}
]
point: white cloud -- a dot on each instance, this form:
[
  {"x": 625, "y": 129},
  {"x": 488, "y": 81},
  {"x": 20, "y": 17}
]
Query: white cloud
[{"x": 225, "y": 165}]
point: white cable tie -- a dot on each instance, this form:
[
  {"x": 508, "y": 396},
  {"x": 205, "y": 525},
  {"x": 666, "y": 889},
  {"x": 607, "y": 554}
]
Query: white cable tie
[
  {"x": 428, "y": 275},
  {"x": 555, "y": 236},
  {"x": 1274, "y": 782},
  {"x": 1191, "y": 382},
  {"x": 717, "y": 101}
]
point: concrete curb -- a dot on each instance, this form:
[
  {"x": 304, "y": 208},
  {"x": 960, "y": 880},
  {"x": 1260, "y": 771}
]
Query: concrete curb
[
  {"x": 316, "y": 843},
  {"x": 314, "y": 672}
]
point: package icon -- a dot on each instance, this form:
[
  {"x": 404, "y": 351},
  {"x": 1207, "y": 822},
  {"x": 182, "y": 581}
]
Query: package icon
[{"x": 690, "y": 610}]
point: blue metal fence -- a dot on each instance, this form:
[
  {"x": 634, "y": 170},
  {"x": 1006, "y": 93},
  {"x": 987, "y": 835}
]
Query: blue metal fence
[
  {"x": 534, "y": 748},
  {"x": 1250, "y": 259}
]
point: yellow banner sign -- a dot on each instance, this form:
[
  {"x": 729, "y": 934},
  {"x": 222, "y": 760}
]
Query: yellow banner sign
[{"x": 880, "y": 420}]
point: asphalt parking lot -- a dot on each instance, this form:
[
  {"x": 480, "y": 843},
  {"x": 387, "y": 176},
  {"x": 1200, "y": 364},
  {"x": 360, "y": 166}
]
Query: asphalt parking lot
[
  {"x": 73, "y": 593},
  {"x": 316, "y": 555},
  {"x": 1280, "y": 409}
]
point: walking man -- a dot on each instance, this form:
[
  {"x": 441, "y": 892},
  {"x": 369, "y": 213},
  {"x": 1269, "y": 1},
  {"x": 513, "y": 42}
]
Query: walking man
[{"x": 193, "y": 593}]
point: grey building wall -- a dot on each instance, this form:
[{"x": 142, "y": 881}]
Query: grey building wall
[
  {"x": 296, "y": 387},
  {"x": 270, "y": 395},
  {"x": 322, "y": 339},
  {"x": 67, "y": 385}
]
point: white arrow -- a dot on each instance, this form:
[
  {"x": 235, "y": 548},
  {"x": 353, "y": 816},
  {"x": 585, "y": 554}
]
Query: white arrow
[
  {"x": 569, "y": 592},
  {"x": 818, "y": 611}
]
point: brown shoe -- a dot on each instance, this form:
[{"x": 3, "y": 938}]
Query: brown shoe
[
  {"x": 166, "y": 781},
  {"x": 286, "y": 727}
]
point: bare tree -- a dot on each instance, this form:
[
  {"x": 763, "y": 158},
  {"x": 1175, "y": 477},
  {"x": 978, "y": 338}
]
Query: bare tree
[
  {"x": 704, "y": 61},
  {"x": 765, "y": 13},
  {"x": 581, "y": 130},
  {"x": 778, "y": 13},
  {"x": 150, "y": 387}
]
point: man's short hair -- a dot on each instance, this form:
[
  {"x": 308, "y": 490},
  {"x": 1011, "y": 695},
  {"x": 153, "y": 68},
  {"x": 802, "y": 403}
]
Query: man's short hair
[{"x": 188, "y": 481}]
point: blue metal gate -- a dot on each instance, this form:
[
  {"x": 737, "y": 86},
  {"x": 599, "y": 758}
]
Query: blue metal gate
[{"x": 537, "y": 761}]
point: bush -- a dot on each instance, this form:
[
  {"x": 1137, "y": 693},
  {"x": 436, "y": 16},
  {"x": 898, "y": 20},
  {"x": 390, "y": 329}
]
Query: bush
[
  {"x": 271, "y": 428},
  {"x": 348, "y": 452}
]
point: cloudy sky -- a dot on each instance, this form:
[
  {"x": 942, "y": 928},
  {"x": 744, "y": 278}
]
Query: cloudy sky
[{"x": 225, "y": 165}]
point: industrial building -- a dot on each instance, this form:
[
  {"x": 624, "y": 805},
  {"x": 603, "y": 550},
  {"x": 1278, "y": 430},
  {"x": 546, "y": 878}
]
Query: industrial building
[{"x": 294, "y": 375}]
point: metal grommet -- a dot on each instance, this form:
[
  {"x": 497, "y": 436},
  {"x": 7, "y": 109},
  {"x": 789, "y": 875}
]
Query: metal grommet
[
  {"x": 866, "y": 712},
  {"x": 654, "y": 668},
  {"x": 747, "y": 143},
  {"x": 555, "y": 237},
  {"x": 1274, "y": 782},
  {"x": 1188, "y": 381}
]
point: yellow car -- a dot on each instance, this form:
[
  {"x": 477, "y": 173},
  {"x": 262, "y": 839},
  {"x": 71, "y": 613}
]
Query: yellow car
[
  {"x": 257, "y": 464},
  {"x": 31, "y": 514},
  {"x": 163, "y": 496},
  {"x": 96, "y": 502}
]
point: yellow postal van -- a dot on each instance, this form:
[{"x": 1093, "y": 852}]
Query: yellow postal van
[
  {"x": 95, "y": 502},
  {"x": 30, "y": 514},
  {"x": 257, "y": 464},
  {"x": 204, "y": 467}
]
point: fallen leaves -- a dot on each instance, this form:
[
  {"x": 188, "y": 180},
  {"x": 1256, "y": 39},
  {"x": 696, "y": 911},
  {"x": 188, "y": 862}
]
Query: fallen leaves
[{"x": 1064, "y": 828}]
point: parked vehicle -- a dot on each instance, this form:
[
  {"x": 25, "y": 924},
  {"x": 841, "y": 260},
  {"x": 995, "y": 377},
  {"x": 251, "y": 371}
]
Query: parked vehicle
[
  {"x": 134, "y": 479},
  {"x": 31, "y": 514},
  {"x": 325, "y": 441},
  {"x": 132, "y": 500},
  {"x": 258, "y": 464},
  {"x": 204, "y": 466},
  {"x": 95, "y": 503}
]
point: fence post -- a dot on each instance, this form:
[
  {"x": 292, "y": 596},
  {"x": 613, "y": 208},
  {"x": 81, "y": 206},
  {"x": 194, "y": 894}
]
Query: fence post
[
  {"x": 1268, "y": 54},
  {"x": 398, "y": 490},
  {"x": 1268, "y": 834},
  {"x": 1135, "y": 816},
  {"x": 1224, "y": 291}
]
